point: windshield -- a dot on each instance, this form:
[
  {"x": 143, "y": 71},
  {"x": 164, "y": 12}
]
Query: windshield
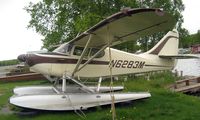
[{"x": 64, "y": 49}]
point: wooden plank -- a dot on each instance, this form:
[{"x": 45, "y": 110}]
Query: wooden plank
[
  {"x": 189, "y": 79},
  {"x": 21, "y": 77},
  {"x": 188, "y": 88}
]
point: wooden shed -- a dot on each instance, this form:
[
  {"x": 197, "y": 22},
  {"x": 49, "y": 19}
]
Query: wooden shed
[{"x": 195, "y": 49}]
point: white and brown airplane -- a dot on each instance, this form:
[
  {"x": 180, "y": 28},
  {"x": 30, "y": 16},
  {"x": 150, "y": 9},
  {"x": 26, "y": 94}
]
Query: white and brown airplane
[{"x": 89, "y": 55}]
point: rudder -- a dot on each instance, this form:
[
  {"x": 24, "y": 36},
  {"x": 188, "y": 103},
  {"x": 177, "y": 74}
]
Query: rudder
[{"x": 168, "y": 45}]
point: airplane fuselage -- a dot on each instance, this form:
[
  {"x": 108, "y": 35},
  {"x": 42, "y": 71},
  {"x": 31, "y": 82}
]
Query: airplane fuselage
[{"x": 122, "y": 63}]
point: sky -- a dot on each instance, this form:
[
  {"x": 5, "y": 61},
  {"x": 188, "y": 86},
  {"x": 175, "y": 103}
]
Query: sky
[
  {"x": 191, "y": 15},
  {"x": 16, "y": 39}
]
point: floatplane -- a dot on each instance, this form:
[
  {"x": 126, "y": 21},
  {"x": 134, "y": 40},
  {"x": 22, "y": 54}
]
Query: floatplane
[{"x": 90, "y": 55}]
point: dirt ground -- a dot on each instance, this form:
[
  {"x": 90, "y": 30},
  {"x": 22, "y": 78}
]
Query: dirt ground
[{"x": 6, "y": 110}]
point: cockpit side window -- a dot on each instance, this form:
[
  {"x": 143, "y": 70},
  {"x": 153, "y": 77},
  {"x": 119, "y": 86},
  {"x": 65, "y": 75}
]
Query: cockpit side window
[
  {"x": 78, "y": 51},
  {"x": 94, "y": 51},
  {"x": 67, "y": 50}
]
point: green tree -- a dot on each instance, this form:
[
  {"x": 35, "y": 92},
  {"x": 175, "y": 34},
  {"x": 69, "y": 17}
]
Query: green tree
[
  {"x": 175, "y": 7},
  {"x": 8, "y": 62},
  {"x": 61, "y": 20},
  {"x": 184, "y": 36},
  {"x": 187, "y": 40}
]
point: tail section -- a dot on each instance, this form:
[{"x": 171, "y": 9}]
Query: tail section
[{"x": 167, "y": 46}]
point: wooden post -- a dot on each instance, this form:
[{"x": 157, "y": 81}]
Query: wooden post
[
  {"x": 198, "y": 80},
  {"x": 176, "y": 72},
  {"x": 187, "y": 82},
  {"x": 181, "y": 73},
  {"x": 175, "y": 86},
  {"x": 148, "y": 76}
]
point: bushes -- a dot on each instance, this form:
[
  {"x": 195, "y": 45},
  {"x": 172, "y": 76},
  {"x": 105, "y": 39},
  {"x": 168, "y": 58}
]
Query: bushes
[{"x": 9, "y": 62}]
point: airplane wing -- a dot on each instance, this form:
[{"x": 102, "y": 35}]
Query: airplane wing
[{"x": 129, "y": 24}]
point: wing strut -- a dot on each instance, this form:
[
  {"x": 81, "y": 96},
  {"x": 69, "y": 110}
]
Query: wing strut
[{"x": 82, "y": 55}]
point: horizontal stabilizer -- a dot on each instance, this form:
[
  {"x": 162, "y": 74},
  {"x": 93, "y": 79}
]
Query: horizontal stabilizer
[{"x": 180, "y": 56}]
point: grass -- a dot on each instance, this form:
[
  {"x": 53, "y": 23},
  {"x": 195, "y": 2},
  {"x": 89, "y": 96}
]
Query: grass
[{"x": 163, "y": 105}]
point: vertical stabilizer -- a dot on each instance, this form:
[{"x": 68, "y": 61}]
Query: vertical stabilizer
[{"x": 167, "y": 46}]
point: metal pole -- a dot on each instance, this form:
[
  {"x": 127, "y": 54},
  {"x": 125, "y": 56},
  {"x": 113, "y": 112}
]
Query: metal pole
[
  {"x": 63, "y": 83},
  {"x": 99, "y": 84}
]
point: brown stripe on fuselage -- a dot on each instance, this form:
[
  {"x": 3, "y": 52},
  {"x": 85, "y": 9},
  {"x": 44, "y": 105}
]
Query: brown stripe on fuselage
[
  {"x": 34, "y": 59},
  {"x": 159, "y": 48}
]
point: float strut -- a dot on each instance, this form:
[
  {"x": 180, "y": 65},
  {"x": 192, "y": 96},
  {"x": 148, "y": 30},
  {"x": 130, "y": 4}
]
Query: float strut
[
  {"x": 64, "y": 83},
  {"x": 99, "y": 84}
]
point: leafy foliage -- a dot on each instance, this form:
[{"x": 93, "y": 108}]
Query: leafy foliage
[
  {"x": 61, "y": 20},
  {"x": 189, "y": 40},
  {"x": 9, "y": 62}
]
